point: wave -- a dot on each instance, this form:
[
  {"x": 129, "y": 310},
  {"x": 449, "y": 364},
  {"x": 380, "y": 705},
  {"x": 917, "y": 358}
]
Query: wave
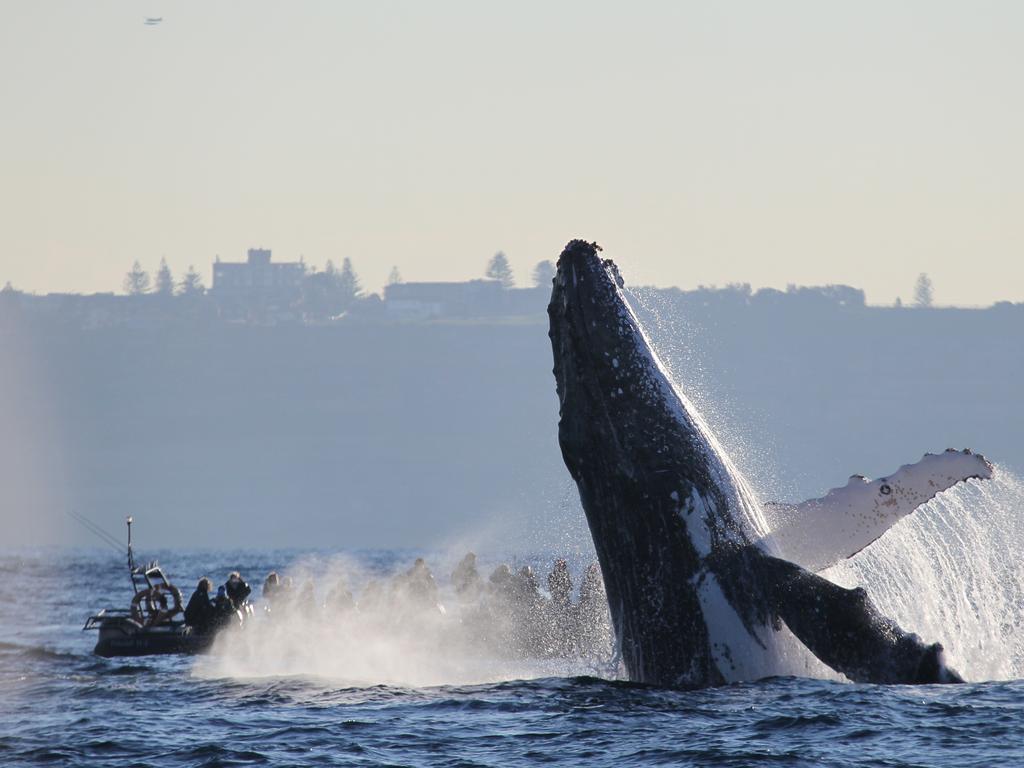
[{"x": 39, "y": 652}]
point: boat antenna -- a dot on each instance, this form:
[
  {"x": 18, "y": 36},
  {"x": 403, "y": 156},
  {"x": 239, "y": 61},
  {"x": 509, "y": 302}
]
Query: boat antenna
[
  {"x": 131, "y": 557},
  {"x": 95, "y": 530}
]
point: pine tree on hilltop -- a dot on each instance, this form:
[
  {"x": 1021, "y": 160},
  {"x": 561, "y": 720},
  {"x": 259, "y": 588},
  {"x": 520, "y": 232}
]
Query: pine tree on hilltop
[
  {"x": 331, "y": 279},
  {"x": 923, "y": 291},
  {"x": 191, "y": 284},
  {"x": 164, "y": 280},
  {"x": 395, "y": 277},
  {"x": 136, "y": 282},
  {"x": 348, "y": 282},
  {"x": 543, "y": 274},
  {"x": 499, "y": 269}
]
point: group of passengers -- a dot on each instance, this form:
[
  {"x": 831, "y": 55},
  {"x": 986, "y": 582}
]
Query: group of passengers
[
  {"x": 415, "y": 587},
  {"x": 205, "y": 613},
  {"x": 528, "y": 623},
  {"x": 508, "y": 610},
  {"x": 282, "y": 596}
]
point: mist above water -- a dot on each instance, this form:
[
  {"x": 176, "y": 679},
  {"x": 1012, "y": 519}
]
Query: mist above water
[{"x": 356, "y": 627}]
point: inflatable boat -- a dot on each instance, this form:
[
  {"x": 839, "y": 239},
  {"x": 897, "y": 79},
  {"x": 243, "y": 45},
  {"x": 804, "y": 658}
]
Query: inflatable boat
[{"x": 152, "y": 624}]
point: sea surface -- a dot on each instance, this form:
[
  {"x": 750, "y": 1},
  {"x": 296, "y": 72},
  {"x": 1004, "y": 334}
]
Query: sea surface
[{"x": 61, "y": 705}]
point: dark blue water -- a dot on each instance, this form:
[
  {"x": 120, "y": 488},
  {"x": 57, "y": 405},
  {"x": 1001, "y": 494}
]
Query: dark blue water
[{"x": 60, "y": 705}]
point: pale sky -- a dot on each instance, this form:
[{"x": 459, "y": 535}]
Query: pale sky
[{"x": 699, "y": 142}]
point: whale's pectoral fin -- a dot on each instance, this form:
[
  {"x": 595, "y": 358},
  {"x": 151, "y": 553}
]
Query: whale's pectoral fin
[
  {"x": 821, "y": 532},
  {"x": 845, "y": 630}
]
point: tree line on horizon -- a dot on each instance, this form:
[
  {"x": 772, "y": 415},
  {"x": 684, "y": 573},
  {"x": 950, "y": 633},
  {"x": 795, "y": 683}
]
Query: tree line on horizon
[
  {"x": 137, "y": 281},
  {"x": 321, "y": 294},
  {"x": 340, "y": 287}
]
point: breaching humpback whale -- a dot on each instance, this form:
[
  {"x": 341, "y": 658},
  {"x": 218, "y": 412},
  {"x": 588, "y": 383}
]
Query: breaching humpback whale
[{"x": 701, "y": 593}]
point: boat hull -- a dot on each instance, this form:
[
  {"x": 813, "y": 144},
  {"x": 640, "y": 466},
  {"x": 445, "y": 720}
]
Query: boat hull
[{"x": 120, "y": 636}]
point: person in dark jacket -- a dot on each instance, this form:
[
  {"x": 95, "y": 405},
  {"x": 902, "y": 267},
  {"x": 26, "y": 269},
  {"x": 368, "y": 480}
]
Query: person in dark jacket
[
  {"x": 224, "y": 611},
  {"x": 560, "y": 585},
  {"x": 594, "y": 627},
  {"x": 200, "y": 612},
  {"x": 271, "y": 586},
  {"x": 340, "y": 599},
  {"x": 416, "y": 589},
  {"x": 238, "y": 591},
  {"x": 466, "y": 579},
  {"x": 562, "y": 621}
]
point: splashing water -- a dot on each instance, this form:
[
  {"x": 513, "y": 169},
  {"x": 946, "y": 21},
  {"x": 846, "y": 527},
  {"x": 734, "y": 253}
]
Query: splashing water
[
  {"x": 954, "y": 572},
  {"x": 394, "y": 636},
  {"x": 674, "y": 337},
  {"x": 748, "y": 509}
]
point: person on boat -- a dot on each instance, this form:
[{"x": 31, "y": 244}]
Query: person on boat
[
  {"x": 275, "y": 593},
  {"x": 466, "y": 579},
  {"x": 305, "y": 600},
  {"x": 500, "y": 585},
  {"x": 271, "y": 585},
  {"x": 560, "y": 585},
  {"x": 593, "y": 628},
  {"x": 225, "y": 612},
  {"x": 340, "y": 599},
  {"x": 418, "y": 585},
  {"x": 561, "y": 624},
  {"x": 161, "y": 611},
  {"x": 526, "y": 587},
  {"x": 527, "y": 612},
  {"x": 494, "y": 619},
  {"x": 200, "y": 613},
  {"x": 237, "y": 590},
  {"x": 592, "y": 594},
  {"x": 374, "y": 598}
]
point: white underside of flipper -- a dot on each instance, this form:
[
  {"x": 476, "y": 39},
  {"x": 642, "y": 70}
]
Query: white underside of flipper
[
  {"x": 741, "y": 656},
  {"x": 819, "y": 533}
]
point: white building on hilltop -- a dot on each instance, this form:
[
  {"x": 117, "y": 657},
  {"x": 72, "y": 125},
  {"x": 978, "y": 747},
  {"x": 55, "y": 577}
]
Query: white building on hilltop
[
  {"x": 257, "y": 275},
  {"x": 257, "y": 290}
]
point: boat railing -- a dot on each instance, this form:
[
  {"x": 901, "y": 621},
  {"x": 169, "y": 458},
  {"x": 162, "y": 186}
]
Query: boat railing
[
  {"x": 122, "y": 618},
  {"x": 94, "y": 621}
]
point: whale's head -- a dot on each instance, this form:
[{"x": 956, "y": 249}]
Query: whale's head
[
  {"x": 610, "y": 384},
  {"x": 616, "y": 399},
  {"x": 585, "y": 312}
]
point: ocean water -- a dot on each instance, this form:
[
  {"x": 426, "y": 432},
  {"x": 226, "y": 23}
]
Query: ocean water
[{"x": 418, "y": 700}]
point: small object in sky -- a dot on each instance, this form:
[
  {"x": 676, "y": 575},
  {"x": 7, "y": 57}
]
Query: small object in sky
[{"x": 152, "y": 21}]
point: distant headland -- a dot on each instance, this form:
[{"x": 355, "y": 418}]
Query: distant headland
[{"x": 261, "y": 291}]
